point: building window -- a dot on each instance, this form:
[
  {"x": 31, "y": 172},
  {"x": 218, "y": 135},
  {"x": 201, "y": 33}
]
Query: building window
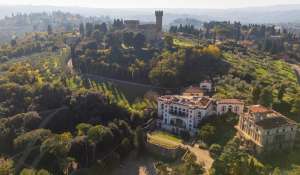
[
  {"x": 166, "y": 121},
  {"x": 236, "y": 109},
  {"x": 224, "y": 108},
  {"x": 199, "y": 114},
  {"x": 268, "y": 132}
]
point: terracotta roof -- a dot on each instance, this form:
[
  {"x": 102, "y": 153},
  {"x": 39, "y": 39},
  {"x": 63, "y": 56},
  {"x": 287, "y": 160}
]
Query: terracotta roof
[
  {"x": 193, "y": 89},
  {"x": 259, "y": 109},
  {"x": 269, "y": 118},
  {"x": 274, "y": 122},
  {"x": 204, "y": 101},
  {"x": 190, "y": 101},
  {"x": 230, "y": 101}
]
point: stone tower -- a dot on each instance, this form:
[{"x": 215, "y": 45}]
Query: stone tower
[{"x": 159, "y": 18}]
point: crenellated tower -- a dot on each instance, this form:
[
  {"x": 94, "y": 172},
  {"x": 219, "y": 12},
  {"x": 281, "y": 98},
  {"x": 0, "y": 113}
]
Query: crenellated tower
[{"x": 159, "y": 19}]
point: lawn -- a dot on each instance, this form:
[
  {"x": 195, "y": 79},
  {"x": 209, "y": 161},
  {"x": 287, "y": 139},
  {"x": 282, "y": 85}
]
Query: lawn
[
  {"x": 184, "y": 43},
  {"x": 164, "y": 139}
]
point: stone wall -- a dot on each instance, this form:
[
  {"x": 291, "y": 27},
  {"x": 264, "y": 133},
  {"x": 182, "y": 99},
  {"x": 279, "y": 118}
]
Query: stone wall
[{"x": 168, "y": 153}]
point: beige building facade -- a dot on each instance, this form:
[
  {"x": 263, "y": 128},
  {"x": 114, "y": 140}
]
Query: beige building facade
[{"x": 263, "y": 130}]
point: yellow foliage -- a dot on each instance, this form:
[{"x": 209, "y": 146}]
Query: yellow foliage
[{"x": 212, "y": 50}]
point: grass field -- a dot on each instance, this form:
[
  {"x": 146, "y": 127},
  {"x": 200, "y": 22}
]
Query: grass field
[
  {"x": 164, "y": 139},
  {"x": 184, "y": 43}
]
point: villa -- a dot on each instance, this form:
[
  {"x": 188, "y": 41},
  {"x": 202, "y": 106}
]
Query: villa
[
  {"x": 185, "y": 112},
  {"x": 263, "y": 129}
]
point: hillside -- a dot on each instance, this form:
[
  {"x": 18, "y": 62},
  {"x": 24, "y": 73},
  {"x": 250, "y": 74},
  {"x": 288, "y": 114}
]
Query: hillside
[{"x": 83, "y": 100}]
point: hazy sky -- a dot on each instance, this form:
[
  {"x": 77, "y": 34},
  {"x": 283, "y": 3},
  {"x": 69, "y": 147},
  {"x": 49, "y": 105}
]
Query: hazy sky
[{"x": 152, "y": 3}]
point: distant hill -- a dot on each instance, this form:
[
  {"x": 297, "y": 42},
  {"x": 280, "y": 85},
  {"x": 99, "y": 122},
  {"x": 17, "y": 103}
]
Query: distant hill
[
  {"x": 287, "y": 14},
  {"x": 268, "y": 14}
]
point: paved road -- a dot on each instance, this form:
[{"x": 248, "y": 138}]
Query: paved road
[
  {"x": 130, "y": 83},
  {"x": 297, "y": 71}
]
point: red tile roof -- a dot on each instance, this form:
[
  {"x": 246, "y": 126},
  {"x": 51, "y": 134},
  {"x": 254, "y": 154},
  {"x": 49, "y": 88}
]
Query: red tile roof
[
  {"x": 259, "y": 109},
  {"x": 192, "y": 102},
  {"x": 271, "y": 119},
  {"x": 275, "y": 122}
]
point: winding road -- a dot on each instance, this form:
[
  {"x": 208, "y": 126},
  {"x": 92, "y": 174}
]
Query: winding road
[{"x": 297, "y": 71}]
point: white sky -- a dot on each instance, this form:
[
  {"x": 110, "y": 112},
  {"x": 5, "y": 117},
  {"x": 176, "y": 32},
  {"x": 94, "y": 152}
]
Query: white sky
[{"x": 152, "y": 3}]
